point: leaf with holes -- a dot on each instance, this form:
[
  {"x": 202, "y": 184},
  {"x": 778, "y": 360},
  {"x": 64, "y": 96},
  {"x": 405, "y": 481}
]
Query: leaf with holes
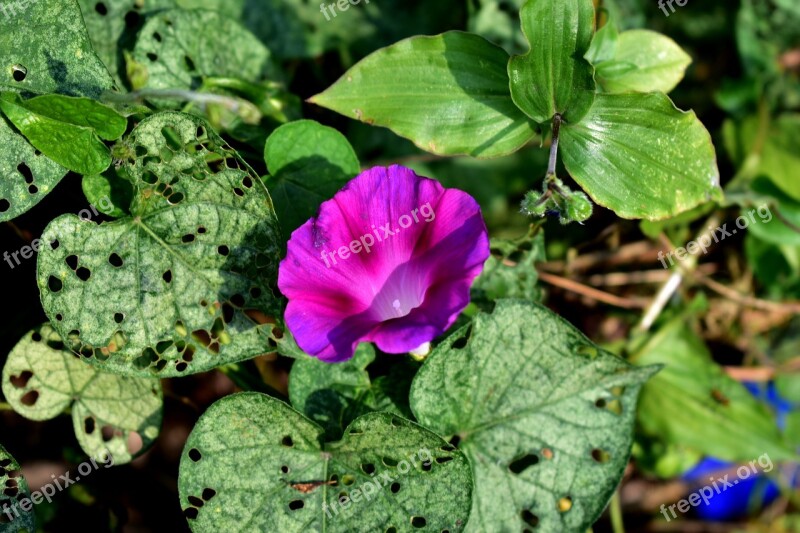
[
  {"x": 252, "y": 463},
  {"x": 308, "y": 163},
  {"x": 111, "y": 414},
  {"x": 113, "y": 25},
  {"x": 44, "y": 50},
  {"x": 545, "y": 417},
  {"x": 553, "y": 77},
  {"x": 335, "y": 395},
  {"x": 177, "y": 49},
  {"x": 447, "y": 93},
  {"x": 692, "y": 402},
  {"x": 109, "y": 192},
  {"x": 68, "y": 130},
  {"x": 641, "y": 157},
  {"x": 192, "y": 268},
  {"x": 15, "y": 489}
]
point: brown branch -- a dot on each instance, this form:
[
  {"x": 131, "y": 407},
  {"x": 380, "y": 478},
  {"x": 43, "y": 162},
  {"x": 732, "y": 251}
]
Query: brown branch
[{"x": 589, "y": 292}]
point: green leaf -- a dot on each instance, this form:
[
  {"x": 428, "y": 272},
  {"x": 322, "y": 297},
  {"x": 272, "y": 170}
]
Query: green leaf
[
  {"x": 604, "y": 43},
  {"x": 110, "y": 193},
  {"x": 110, "y": 414},
  {"x": 66, "y": 129},
  {"x": 252, "y": 463},
  {"x": 641, "y": 157},
  {"x": 692, "y": 402},
  {"x": 447, "y": 93},
  {"x": 191, "y": 268},
  {"x": 26, "y": 176},
  {"x": 45, "y": 49},
  {"x": 16, "y": 488},
  {"x": 308, "y": 163},
  {"x": 177, "y": 49},
  {"x": 545, "y": 417},
  {"x": 510, "y": 271},
  {"x": 650, "y": 61},
  {"x": 335, "y": 395},
  {"x": 112, "y": 27},
  {"x": 553, "y": 77}
]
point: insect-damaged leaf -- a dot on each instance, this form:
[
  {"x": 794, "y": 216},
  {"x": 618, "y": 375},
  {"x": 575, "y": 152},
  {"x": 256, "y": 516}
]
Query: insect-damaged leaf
[
  {"x": 544, "y": 415},
  {"x": 110, "y": 413},
  {"x": 252, "y": 463},
  {"x": 184, "y": 284}
]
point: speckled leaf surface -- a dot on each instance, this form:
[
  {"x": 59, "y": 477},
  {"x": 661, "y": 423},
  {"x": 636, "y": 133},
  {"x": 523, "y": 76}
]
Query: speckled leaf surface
[
  {"x": 61, "y": 62},
  {"x": 252, "y": 463},
  {"x": 545, "y": 417},
  {"x": 112, "y": 26},
  {"x": 447, "y": 93},
  {"x": 110, "y": 413},
  {"x": 183, "y": 285},
  {"x": 15, "y": 488},
  {"x": 176, "y": 49},
  {"x": 641, "y": 157},
  {"x": 553, "y": 77}
]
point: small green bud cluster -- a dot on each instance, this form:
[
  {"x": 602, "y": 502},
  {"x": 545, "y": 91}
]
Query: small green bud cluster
[{"x": 571, "y": 206}]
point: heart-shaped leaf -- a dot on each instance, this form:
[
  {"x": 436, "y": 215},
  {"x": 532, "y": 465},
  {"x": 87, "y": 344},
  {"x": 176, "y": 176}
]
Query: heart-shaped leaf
[
  {"x": 176, "y": 49},
  {"x": 191, "y": 268},
  {"x": 43, "y": 49},
  {"x": 13, "y": 518},
  {"x": 335, "y": 395},
  {"x": 553, "y": 77},
  {"x": 447, "y": 93},
  {"x": 113, "y": 24},
  {"x": 252, "y": 463},
  {"x": 111, "y": 414},
  {"x": 545, "y": 417},
  {"x": 308, "y": 163},
  {"x": 641, "y": 157},
  {"x": 66, "y": 129}
]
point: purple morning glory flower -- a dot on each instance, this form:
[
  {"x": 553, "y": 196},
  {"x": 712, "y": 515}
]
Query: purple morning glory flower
[{"x": 390, "y": 259}]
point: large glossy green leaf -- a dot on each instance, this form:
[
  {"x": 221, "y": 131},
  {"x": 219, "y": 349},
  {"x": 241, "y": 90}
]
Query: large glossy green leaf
[
  {"x": 447, "y": 93},
  {"x": 641, "y": 157},
  {"x": 692, "y": 402},
  {"x": 545, "y": 417},
  {"x": 111, "y": 414},
  {"x": 335, "y": 395},
  {"x": 177, "y": 49},
  {"x": 15, "y": 489},
  {"x": 44, "y": 50},
  {"x": 191, "y": 268},
  {"x": 553, "y": 77},
  {"x": 643, "y": 61},
  {"x": 252, "y": 463},
  {"x": 112, "y": 27},
  {"x": 66, "y": 129},
  {"x": 308, "y": 163}
]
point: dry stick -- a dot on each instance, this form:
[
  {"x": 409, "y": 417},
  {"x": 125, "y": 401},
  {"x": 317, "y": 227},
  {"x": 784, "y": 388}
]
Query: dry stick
[
  {"x": 589, "y": 292},
  {"x": 635, "y": 252},
  {"x": 749, "y": 301}
]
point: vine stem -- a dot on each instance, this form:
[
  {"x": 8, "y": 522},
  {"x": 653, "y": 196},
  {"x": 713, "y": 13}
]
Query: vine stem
[
  {"x": 551, "y": 165},
  {"x": 233, "y": 104},
  {"x": 5, "y": 407}
]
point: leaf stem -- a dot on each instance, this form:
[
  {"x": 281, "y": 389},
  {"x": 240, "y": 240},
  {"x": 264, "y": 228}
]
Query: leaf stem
[
  {"x": 5, "y": 407},
  {"x": 615, "y": 509},
  {"x": 551, "y": 165}
]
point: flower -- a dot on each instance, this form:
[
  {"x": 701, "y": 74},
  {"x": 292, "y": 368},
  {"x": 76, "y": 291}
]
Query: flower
[{"x": 389, "y": 259}]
